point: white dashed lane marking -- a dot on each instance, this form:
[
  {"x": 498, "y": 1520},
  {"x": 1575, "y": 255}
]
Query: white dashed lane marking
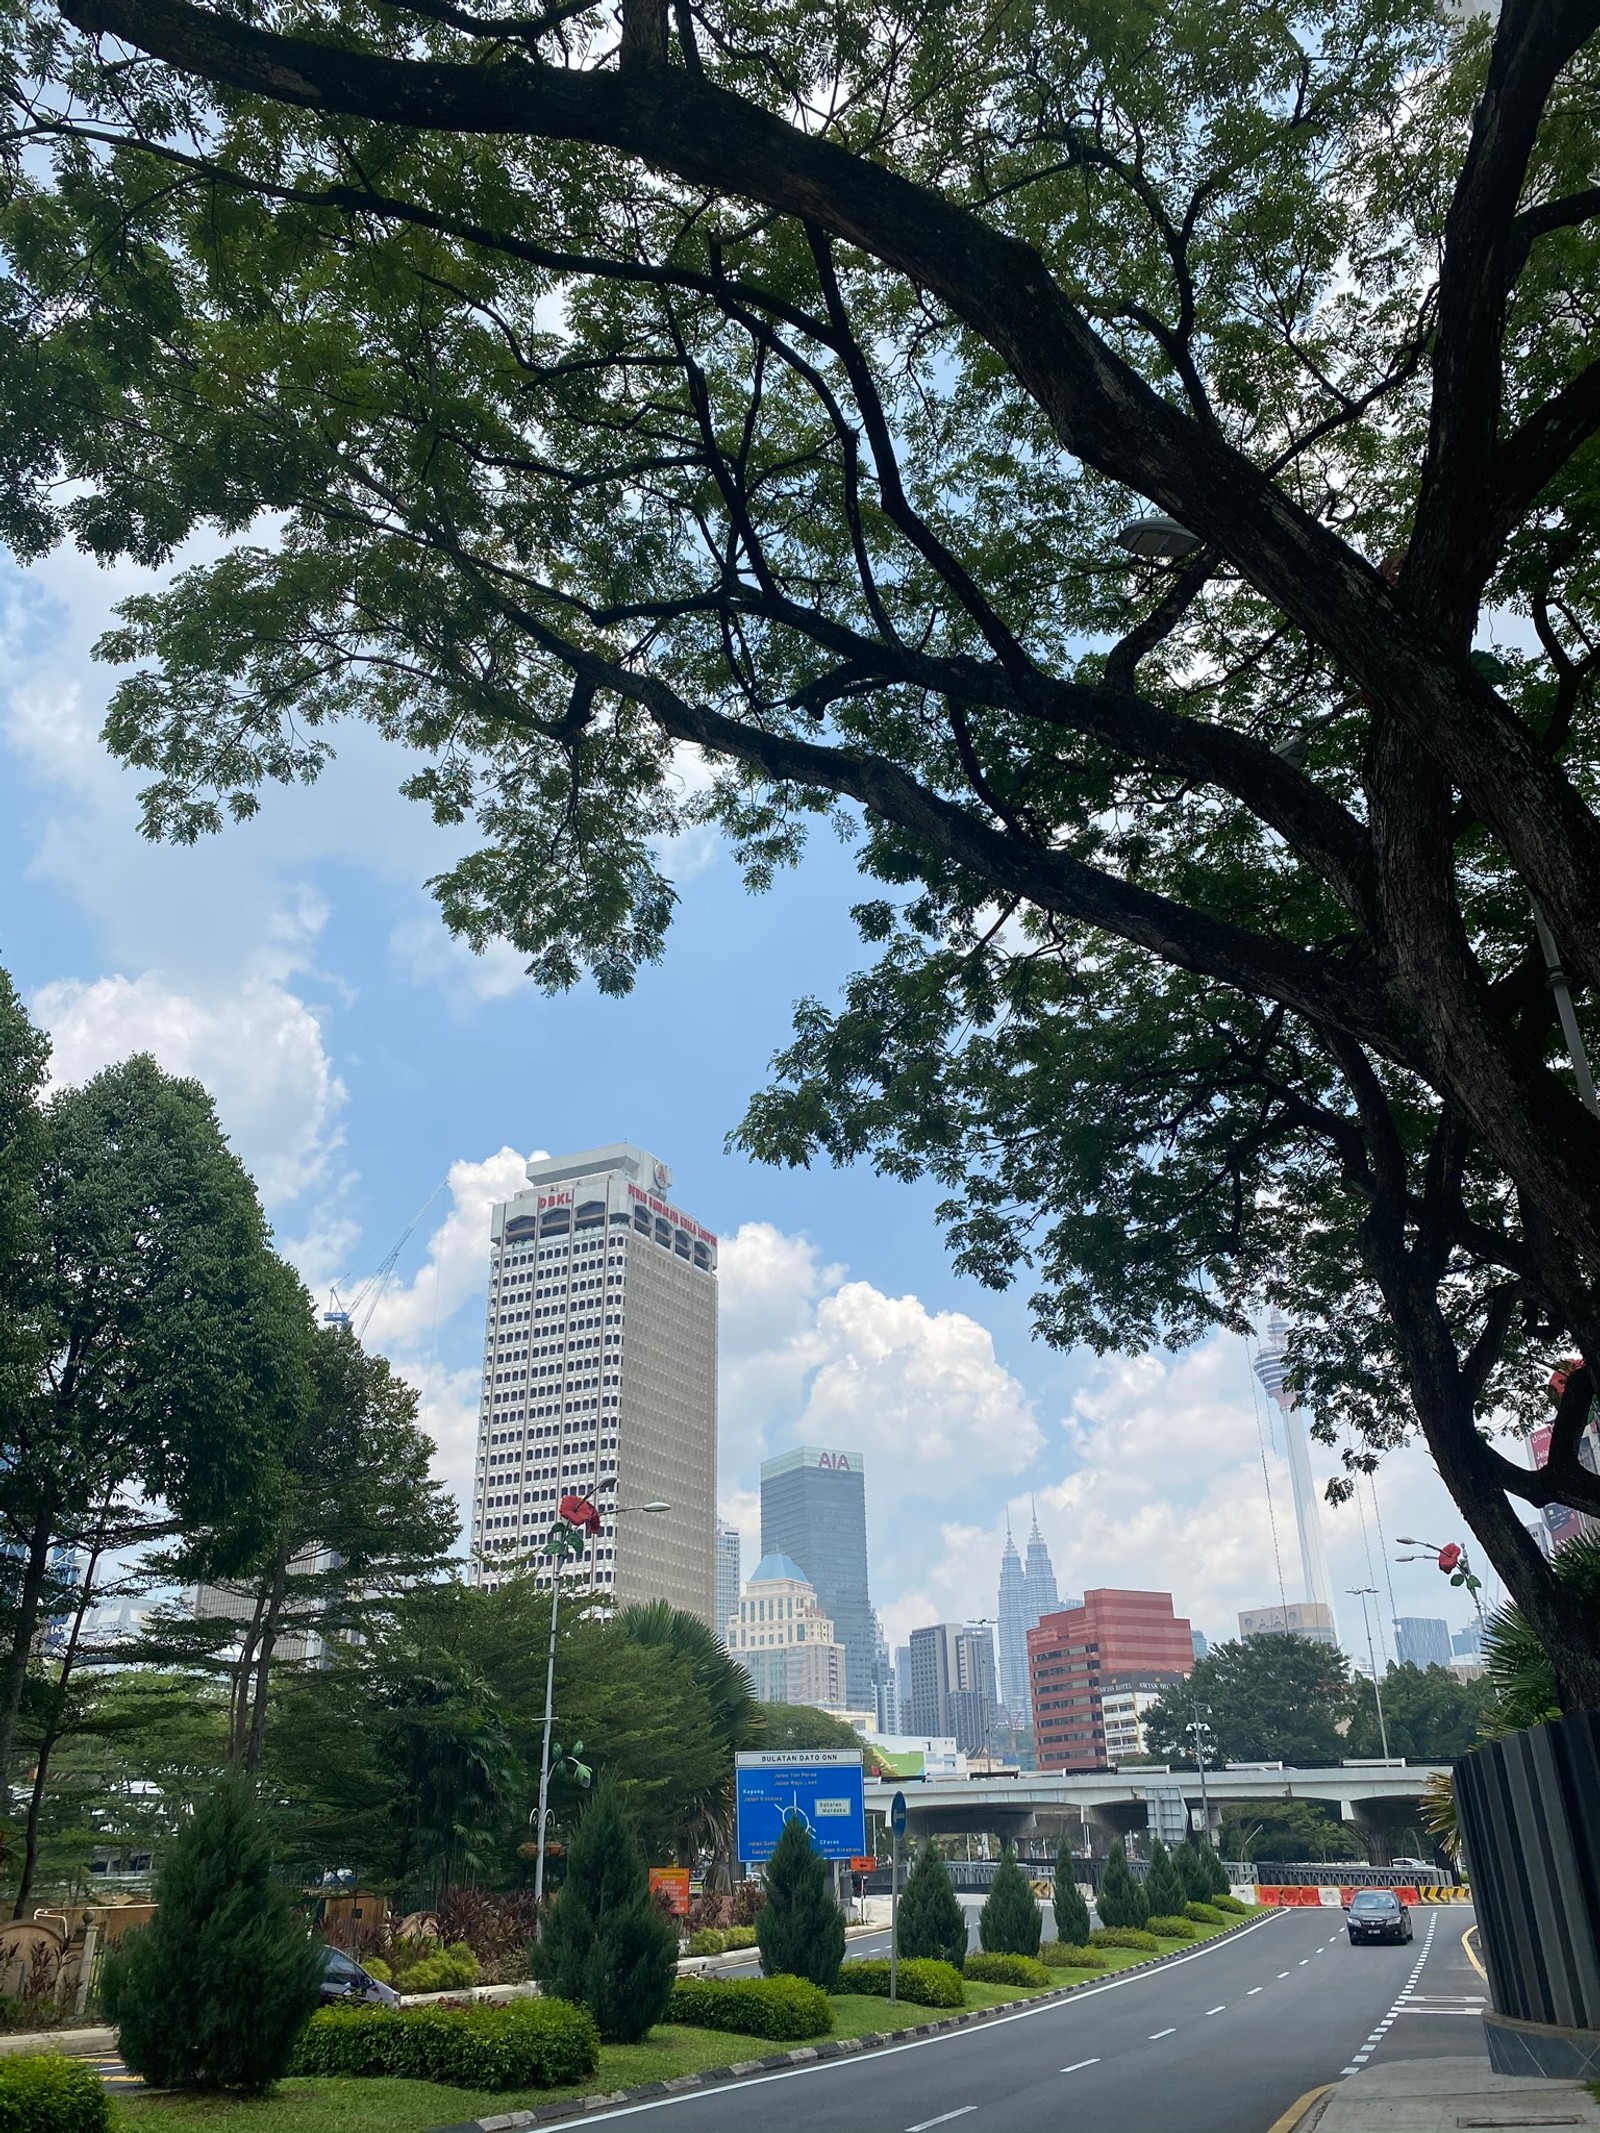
[
  {"x": 1407, "y": 1993},
  {"x": 1078, "y": 2066},
  {"x": 1156, "y": 2034}
]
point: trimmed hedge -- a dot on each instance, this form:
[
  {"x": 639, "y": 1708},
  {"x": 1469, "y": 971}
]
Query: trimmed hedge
[
  {"x": 1125, "y": 1937},
  {"x": 707, "y": 1940},
  {"x": 922, "y": 1979},
  {"x": 538, "y": 2044},
  {"x": 784, "y": 2009},
  {"x": 41, "y": 2092},
  {"x": 1230, "y": 1903},
  {"x": 1170, "y": 1928},
  {"x": 443, "y": 1970},
  {"x": 740, "y": 1936},
  {"x": 1007, "y": 1970},
  {"x": 1068, "y": 1955},
  {"x": 1203, "y": 1914}
]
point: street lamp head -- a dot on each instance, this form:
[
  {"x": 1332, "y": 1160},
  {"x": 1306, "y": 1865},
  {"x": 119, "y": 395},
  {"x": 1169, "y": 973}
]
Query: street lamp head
[
  {"x": 1156, "y": 538},
  {"x": 1408, "y": 1540},
  {"x": 655, "y": 1507}
]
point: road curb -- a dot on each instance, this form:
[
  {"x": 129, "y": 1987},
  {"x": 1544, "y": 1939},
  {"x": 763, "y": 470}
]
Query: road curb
[{"x": 574, "y": 2111}]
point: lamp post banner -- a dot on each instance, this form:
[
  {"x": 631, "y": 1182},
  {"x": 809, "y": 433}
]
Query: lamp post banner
[{"x": 818, "y": 1788}]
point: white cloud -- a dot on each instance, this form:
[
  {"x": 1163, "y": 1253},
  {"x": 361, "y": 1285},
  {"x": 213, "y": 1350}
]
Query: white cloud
[
  {"x": 426, "y": 952},
  {"x": 409, "y": 1314},
  {"x": 259, "y": 1050},
  {"x": 808, "y": 1356}
]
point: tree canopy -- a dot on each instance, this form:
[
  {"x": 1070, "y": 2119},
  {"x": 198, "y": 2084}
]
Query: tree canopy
[
  {"x": 765, "y": 384},
  {"x": 1263, "y": 1698}
]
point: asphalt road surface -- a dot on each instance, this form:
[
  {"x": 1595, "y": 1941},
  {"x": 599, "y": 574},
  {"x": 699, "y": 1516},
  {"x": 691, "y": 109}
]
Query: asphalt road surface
[{"x": 1222, "y": 2040}]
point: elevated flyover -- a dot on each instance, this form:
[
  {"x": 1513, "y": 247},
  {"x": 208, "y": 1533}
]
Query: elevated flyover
[{"x": 1113, "y": 1802}]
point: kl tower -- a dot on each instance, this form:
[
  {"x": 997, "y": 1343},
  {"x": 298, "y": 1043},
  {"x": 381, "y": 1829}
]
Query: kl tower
[{"x": 1271, "y": 1367}]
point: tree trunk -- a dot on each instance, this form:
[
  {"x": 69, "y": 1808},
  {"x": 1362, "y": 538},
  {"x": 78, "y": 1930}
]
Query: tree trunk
[
  {"x": 269, "y": 1638},
  {"x": 27, "y": 1622},
  {"x": 239, "y": 1694},
  {"x": 52, "y": 1732}
]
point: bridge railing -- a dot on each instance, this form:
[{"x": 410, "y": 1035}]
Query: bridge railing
[{"x": 1338, "y": 1873}]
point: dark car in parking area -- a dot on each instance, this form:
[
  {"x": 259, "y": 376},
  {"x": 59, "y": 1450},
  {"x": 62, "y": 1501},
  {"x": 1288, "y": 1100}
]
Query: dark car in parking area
[
  {"x": 344, "y": 1981},
  {"x": 1377, "y": 1914}
]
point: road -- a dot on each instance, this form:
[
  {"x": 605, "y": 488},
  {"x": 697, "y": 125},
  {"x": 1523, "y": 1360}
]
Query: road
[{"x": 1222, "y": 2040}]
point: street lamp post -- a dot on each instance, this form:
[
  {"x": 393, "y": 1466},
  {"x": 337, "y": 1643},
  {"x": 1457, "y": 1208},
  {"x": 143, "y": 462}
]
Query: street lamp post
[
  {"x": 564, "y": 1542},
  {"x": 1360, "y": 1592},
  {"x": 1199, "y": 1729}
]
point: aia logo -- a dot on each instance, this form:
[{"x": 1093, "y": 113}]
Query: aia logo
[{"x": 836, "y": 1462}]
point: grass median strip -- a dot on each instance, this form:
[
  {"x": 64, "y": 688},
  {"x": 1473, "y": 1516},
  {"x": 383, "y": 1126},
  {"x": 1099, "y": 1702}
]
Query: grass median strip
[{"x": 384, "y": 2104}]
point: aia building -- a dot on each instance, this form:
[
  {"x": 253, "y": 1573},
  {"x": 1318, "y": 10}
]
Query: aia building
[
  {"x": 814, "y": 1510},
  {"x": 1116, "y": 1641}
]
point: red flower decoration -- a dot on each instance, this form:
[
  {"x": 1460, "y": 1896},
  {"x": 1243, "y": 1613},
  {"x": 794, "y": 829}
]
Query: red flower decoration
[
  {"x": 1449, "y": 1556},
  {"x": 580, "y": 1512}
]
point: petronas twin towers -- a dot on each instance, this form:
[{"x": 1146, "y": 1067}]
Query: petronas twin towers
[{"x": 1026, "y": 1593}]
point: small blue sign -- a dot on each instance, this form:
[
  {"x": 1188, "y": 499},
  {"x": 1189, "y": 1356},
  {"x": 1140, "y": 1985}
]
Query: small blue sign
[
  {"x": 897, "y": 1814},
  {"x": 824, "y": 1795}
]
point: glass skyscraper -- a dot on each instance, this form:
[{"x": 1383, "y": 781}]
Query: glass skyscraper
[
  {"x": 814, "y": 1510},
  {"x": 1027, "y": 1593}
]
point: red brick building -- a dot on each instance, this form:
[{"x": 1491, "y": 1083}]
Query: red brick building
[{"x": 1115, "y": 1639}]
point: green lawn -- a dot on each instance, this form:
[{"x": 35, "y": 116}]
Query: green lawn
[{"x": 387, "y": 2106}]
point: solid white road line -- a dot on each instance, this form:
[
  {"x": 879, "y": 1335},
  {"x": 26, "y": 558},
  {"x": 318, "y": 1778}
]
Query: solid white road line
[
  {"x": 1026, "y": 2013},
  {"x": 1078, "y": 2066},
  {"x": 943, "y": 2119}
]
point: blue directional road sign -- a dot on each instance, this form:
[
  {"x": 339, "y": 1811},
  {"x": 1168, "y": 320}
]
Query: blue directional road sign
[
  {"x": 897, "y": 1814},
  {"x": 818, "y": 1787}
]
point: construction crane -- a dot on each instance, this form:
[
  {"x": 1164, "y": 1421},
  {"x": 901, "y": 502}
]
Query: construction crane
[{"x": 364, "y": 1295}]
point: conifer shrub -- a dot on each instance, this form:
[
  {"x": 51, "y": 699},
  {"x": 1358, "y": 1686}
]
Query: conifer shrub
[
  {"x": 799, "y": 1928},
  {"x": 1173, "y": 1928},
  {"x": 922, "y": 1980},
  {"x": 931, "y": 1922},
  {"x": 1164, "y": 1891},
  {"x": 1009, "y": 1923},
  {"x": 607, "y": 1946},
  {"x": 541, "y": 2044},
  {"x": 1229, "y": 1904},
  {"x": 1072, "y": 1913},
  {"x": 216, "y": 1990},
  {"x": 1121, "y": 1901},
  {"x": 784, "y": 2009},
  {"x": 998, "y": 1969},
  {"x": 1213, "y": 1871},
  {"x": 1070, "y": 1955},
  {"x": 1203, "y": 1914},
  {"x": 1125, "y": 1937},
  {"x": 42, "y": 2092}
]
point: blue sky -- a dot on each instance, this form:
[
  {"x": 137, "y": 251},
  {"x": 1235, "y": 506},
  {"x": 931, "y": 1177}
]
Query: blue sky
[{"x": 362, "y": 1062}]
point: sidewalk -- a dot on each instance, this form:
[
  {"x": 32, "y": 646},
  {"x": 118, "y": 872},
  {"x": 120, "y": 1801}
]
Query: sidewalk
[{"x": 1442, "y": 2096}]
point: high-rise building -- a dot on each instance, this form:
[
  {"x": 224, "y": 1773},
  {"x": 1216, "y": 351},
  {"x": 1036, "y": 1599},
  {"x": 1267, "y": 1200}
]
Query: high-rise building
[
  {"x": 728, "y": 1576},
  {"x": 1272, "y": 1365},
  {"x": 1027, "y": 1593},
  {"x": 951, "y": 1668},
  {"x": 1295, "y": 1618},
  {"x": 814, "y": 1510},
  {"x": 1467, "y": 1643},
  {"x": 1200, "y": 1642},
  {"x": 1115, "y": 1640},
  {"x": 600, "y": 1377},
  {"x": 885, "y": 1697},
  {"x": 1014, "y": 1627},
  {"x": 1421, "y": 1640},
  {"x": 783, "y": 1640},
  {"x": 902, "y": 1688},
  {"x": 1039, "y": 1579}
]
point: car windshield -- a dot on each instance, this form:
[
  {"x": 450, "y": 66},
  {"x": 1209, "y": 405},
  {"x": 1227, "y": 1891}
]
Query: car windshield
[
  {"x": 1375, "y": 1900},
  {"x": 336, "y": 1965}
]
